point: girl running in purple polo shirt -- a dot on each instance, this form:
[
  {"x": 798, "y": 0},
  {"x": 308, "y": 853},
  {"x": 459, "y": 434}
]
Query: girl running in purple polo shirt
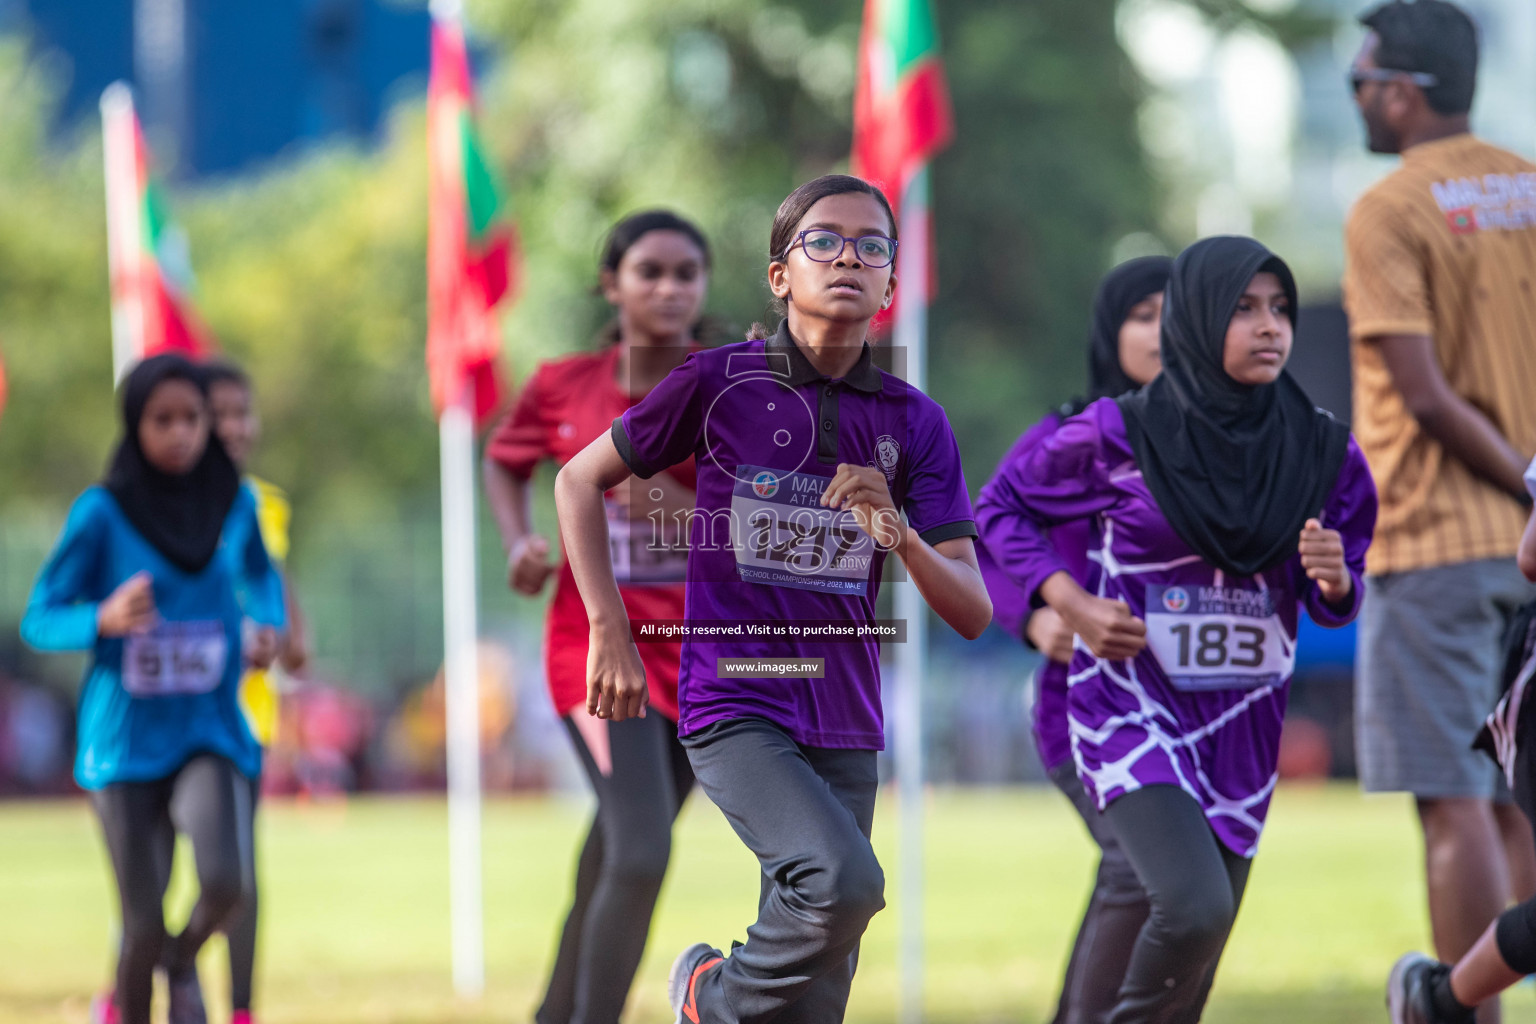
[
  {"x": 1221, "y": 502},
  {"x": 807, "y": 455},
  {"x": 1122, "y": 356}
]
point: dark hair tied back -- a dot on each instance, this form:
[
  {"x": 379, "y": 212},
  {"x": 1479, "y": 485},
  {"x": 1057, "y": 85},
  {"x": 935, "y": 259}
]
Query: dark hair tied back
[
  {"x": 793, "y": 210},
  {"x": 223, "y": 371},
  {"x": 630, "y": 230}
]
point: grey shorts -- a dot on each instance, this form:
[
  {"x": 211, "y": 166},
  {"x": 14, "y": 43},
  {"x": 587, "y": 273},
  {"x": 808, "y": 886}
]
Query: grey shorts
[{"x": 1427, "y": 674}]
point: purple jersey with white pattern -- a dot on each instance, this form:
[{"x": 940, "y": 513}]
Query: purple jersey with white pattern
[
  {"x": 1011, "y": 608},
  {"x": 767, "y": 432},
  {"x": 1201, "y": 707}
]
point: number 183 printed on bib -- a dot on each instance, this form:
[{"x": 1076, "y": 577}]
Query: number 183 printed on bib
[{"x": 1217, "y": 638}]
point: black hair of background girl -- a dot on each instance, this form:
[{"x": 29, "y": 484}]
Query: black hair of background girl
[
  {"x": 793, "y": 210},
  {"x": 182, "y": 516},
  {"x": 222, "y": 371},
  {"x": 623, "y": 235},
  {"x": 1123, "y": 288},
  {"x": 1237, "y": 469}
]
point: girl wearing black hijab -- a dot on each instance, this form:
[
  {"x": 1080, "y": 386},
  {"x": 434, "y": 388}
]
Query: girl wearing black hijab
[
  {"x": 155, "y": 573},
  {"x": 1122, "y": 356},
  {"x": 1220, "y": 502}
]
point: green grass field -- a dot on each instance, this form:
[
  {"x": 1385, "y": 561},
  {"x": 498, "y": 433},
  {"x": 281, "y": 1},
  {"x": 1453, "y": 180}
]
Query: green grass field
[{"x": 356, "y": 927}]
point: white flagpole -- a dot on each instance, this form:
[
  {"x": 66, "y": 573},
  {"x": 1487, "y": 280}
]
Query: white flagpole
[
  {"x": 125, "y": 247},
  {"x": 160, "y": 65},
  {"x": 461, "y": 676},
  {"x": 911, "y": 336},
  {"x": 462, "y": 680}
]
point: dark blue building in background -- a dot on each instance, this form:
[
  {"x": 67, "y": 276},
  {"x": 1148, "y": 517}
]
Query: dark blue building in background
[{"x": 225, "y": 84}]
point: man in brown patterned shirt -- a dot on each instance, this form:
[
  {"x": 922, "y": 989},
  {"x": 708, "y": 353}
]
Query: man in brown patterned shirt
[{"x": 1441, "y": 263}]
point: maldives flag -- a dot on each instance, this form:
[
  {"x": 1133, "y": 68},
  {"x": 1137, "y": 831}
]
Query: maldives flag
[
  {"x": 901, "y": 119},
  {"x": 901, "y": 109},
  {"x": 151, "y": 273},
  {"x": 471, "y": 246}
]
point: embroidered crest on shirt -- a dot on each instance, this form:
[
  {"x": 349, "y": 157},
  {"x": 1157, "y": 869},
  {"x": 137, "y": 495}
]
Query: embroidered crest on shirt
[{"x": 887, "y": 455}]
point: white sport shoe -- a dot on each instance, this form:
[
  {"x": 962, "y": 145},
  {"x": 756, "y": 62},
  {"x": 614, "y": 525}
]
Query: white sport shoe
[
  {"x": 690, "y": 963},
  {"x": 1409, "y": 999}
]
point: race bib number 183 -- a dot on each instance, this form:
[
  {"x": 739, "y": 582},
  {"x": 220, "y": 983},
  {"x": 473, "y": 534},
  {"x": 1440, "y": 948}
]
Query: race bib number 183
[{"x": 1217, "y": 638}]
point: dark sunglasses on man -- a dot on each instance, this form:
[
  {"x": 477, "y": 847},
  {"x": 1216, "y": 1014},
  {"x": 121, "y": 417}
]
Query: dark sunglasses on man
[{"x": 1357, "y": 77}]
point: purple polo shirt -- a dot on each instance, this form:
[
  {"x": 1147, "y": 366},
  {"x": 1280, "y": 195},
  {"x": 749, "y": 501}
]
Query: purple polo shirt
[{"x": 767, "y": 432}]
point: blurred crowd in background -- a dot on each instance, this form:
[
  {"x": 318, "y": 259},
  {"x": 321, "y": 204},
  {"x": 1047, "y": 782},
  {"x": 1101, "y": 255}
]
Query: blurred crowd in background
[{"x": 336, "y": 737}]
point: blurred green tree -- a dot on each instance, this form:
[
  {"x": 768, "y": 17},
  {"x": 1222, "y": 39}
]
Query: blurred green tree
[
  {"x": 54, "y": 324},
  {"x": 1046, "y": 175},
  {"x": 311, "y": 270}
]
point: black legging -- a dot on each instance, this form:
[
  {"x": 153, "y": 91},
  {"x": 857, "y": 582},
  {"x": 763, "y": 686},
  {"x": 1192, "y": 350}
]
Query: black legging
[
  {"x": 205, "y": 800},
  {"x": 1516, "y": 928},
  {"x": 240, "y": 929},
  {"x": 620, "y": 871},
  {"x": 1195, "y": 885},
  {"x": 1117, "y": 909}
]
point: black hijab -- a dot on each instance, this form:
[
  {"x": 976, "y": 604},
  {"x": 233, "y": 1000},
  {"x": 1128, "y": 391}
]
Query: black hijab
[
  {"x": 1237, "y": 469},
  {"x": 1122, "y": 289},
  {"x": 182, "y": 516}
]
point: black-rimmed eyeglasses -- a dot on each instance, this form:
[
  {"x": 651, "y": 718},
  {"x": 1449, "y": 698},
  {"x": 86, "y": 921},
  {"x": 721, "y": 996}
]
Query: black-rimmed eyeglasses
[
  {"x": 824, "y": 246},
  {"x": 1359, "y": 76}
]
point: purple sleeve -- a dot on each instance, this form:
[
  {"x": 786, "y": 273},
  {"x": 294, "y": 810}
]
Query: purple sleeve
[
  {"x": 1351, "y": 510},
  {"x": 1063, "y": 478},
  {"x": 664, "y": 427},
  {"x": 937, "y": 503},
  {"x": 1010, "y": 604}
]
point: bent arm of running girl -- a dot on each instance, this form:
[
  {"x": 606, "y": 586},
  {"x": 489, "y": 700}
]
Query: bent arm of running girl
[
  {"x": 945, "y": 573},
  {"x": 670, "y": 423},
  {"x": 1330, "y": 558},
  {"x": 1060, "y": 479},
  {"x": 1039, "y": 627},
  {"x": 615, "y": 675},
  {"x": 69, "y": 608},
  {"x": 528, "y": 564},
  {"x": 948, "y": 578},
  {"x": 1063, "y": 478},
  {"x": 517, "y": 447},
  {"x": 264, "y": 601}
]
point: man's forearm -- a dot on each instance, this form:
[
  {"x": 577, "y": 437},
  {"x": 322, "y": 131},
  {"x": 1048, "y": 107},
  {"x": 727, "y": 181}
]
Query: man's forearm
[
  {"x": 1469, "y": 436},
  {"x": 1462, "y": 429}
]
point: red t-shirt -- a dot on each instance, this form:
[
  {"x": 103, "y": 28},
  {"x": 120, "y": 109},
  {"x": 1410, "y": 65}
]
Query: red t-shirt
[{"x": 565, "y": 405}]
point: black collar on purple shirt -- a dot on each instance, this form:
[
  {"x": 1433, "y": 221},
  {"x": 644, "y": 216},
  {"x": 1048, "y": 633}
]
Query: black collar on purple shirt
[{"x": 865, "y": 375}]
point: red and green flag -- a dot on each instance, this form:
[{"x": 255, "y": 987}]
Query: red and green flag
[
  {"x": 901, "y": 109},
  {"x": 151, "y": 273},
  {"x": 901, "y": 119},
  {"x": 472, "y": 254}
]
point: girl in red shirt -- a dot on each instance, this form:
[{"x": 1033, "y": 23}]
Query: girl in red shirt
[{"x": 654, "y": 271}]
